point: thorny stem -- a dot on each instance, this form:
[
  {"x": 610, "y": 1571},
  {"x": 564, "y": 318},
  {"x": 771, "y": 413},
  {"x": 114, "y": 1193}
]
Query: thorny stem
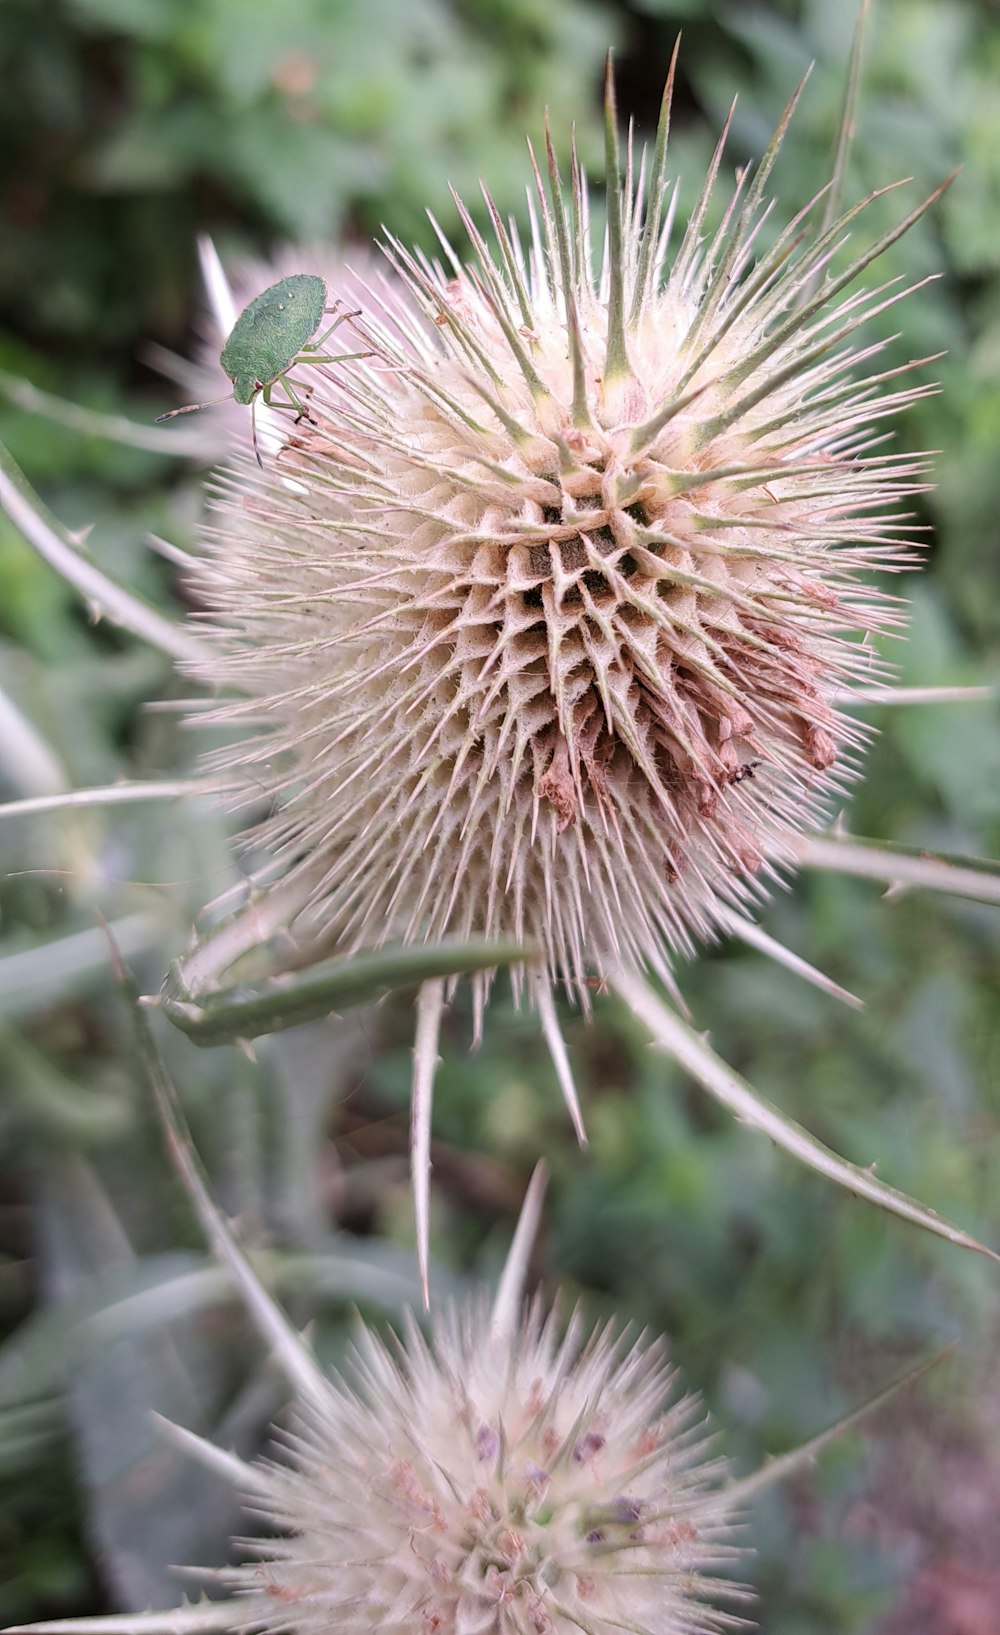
[{"x": 105, "y": 598}]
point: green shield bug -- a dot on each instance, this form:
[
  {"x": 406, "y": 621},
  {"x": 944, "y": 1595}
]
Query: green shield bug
[{"x": 273, "y": 333}]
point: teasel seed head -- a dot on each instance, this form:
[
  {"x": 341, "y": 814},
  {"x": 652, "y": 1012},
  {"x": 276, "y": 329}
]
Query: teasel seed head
[
  {"x": 521, "y": 1480},
  {"x": 541, "y": 623},
  {"x": 507, "y": 1474}
]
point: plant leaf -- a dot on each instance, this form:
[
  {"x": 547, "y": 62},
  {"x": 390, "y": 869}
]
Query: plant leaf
[
  {"x": 102, "y": 595},
  {"x": 244, "y": 1012},
  {"x": 745, "y": 1489},
  {"x": 110, "y": 1396},
  {"x": 687, "y": 1047},
  {"x": 52, "y": 973},
  {"x": 123, "y": 1302},
  {"x": 974, "y": 877}
]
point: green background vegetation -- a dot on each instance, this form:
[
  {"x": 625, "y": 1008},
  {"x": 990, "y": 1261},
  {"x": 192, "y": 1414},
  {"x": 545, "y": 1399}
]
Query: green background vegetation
[{"x": 126, "y": 128}]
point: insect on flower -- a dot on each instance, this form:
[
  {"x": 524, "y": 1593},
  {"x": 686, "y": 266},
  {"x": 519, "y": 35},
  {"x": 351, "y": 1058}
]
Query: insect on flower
[
  {"x": 534, "y": 604},
  {"x": 543, "y": 638},
  {"x": 274, "y": 332}
]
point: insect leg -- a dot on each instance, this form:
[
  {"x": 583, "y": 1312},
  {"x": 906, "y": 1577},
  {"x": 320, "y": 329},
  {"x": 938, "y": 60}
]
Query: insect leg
[
  {"x": 306, "y": 356},
  {"x": 283, "y": 408},
  {"x": 341, "y": 319},
  {"x": 303, "y": 412}
]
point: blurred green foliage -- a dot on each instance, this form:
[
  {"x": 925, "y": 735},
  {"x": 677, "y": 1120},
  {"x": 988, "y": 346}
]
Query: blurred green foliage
[{"x": 128, "y": 126}]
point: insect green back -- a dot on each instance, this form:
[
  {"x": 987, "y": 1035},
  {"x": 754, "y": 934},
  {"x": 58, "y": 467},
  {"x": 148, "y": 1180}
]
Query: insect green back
[{"x": 271, "y": 331}]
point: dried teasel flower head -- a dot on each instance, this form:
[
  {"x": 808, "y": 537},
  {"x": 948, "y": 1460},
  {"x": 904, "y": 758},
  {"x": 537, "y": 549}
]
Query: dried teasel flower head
[
  {"x": 508, "y": 1475},
  {"x": 495, "y": 1481},
  {"x": 539, "y": 627}
]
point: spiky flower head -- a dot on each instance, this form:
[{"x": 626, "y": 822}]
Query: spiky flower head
[
  {"x": 541, "y": 625},
  {"x": 492, "y": 1482},
  {"x": 507, "y": 1476}
]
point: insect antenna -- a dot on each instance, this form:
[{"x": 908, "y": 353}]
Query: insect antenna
[
  {"x": 189, "y": 408},
  {"x": 253, "y": 430}
]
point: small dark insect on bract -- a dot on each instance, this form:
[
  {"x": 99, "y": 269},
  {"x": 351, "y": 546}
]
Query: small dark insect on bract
[{"x": 273, "y": 333}]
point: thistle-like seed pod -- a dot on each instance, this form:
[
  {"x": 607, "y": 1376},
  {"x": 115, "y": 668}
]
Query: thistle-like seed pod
[
  {"x": 539, "y": 625},
  {"x": 494, "y": 1481},
  {"x": 507, "y": 1477}
]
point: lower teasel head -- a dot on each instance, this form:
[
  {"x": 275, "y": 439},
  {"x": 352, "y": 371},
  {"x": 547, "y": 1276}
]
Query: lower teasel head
[
  {"x": 509, "y": 1474},
  {"x": 494, "y": 1482},
  {"x": 539, "y": 626}
]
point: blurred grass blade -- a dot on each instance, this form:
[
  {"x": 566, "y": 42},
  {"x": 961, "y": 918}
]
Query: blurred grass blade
[
  {"x": 179, "y": 443},
  {"x": 26, "y": 1436},
  {"x": 40, "y": 1099},
  {"x": 690, "y": 1050},
  {"x": 112, "y": 794},
  {"x": 103, "y": 596},
  {"x": 53, "y": 972},
  {"x": 27, "y": 760},
  {"x": 975, "y": 877},
  {"x": 743, "y": 1490},
  {"x": 119, "y": 1303},
  {"x": 294, "y": 1355},
  {"x": 245, "y": 1012}
]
